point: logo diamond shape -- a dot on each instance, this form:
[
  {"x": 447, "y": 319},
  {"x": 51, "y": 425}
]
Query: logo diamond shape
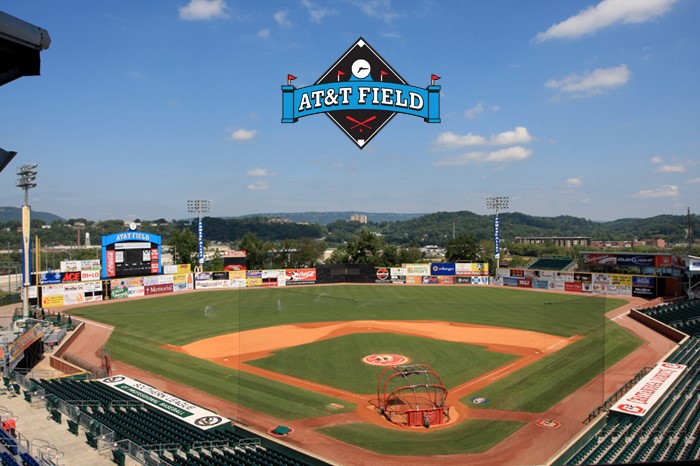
[
  {"x": 360, "y": 93},
  {"x": 361, "y": 125}
]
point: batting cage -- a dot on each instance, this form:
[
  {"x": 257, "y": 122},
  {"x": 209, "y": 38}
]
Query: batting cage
[{"x": 412, "y": 396}]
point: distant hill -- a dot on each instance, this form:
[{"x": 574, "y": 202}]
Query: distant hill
[
  {"x": 15, "y": 213},
  {"x": 438, "y": 227},
  {"x": 324, "y": 218}
]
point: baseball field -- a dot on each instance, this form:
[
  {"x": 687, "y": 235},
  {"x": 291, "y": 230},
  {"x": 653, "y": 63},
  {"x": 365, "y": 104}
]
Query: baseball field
[{"x": 296, "y": 354}]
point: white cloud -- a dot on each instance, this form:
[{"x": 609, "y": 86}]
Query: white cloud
[
  {"x": 316, "y": 12},
  {"x": 281, "y": 18},
  {"x": 259, "y": 172},
  {"x": 450, "y": 140},
  {"x": 258, "y": 186},
  {"x": 519, "y": 135},
  {"x": 477, "y": 110},
  {"x": 509, "y": 154},
  {"x": 667, "y": 190},
  {"x": 474, "y": 112},
  {"x": 574, "y": 182},
  {"x": 693, "y": 181},
  {"x": 264, "y": 34},
  {"x": 243, "y": 135},
  {"x": 670, "y": 169},
  {"x": 605, "y": 14},
  {"x": 377, "y": 9},
  {"x": 656, "y": 159},
  {"x": 203, "y": 9},
  {"x": 591, "y": 83}
]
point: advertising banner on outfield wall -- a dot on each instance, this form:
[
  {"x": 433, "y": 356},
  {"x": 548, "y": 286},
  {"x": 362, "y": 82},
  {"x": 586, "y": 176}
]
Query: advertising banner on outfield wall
[
  {"x": 510, "y": 281},
  {"x": 182, "y": 281},
  {"x": 500, "y": 273},
  {"x": 51, "y": 277},
  {"x": 524, "y": 283},
  {"x": 414, "y": 279},
  {"x": 445, "y": 280},
  {"x": 300, "y": 276},
  {"x": 540, "y": 284},
  {"x": 398, "y": 274},
  {"x": 599, "y": 259},
  {"x": 575, "y": 287},
  {"x": 471, "y": 269},
  {"x": 638, "y": 260},
  {"x": 417, "y": 269},
  {"x": 480, "y": 280},
  {"x": 442, "y": 268}
]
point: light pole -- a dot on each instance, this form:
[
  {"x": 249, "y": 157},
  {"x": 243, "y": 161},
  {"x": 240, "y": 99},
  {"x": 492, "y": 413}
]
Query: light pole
[
  {"x": 199, "y": 207},
  {"x": 27, "y": 175},
  {"x": 497, "y": 203}
]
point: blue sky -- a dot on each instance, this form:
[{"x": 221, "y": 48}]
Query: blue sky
[{"x": 581, "y": 107}]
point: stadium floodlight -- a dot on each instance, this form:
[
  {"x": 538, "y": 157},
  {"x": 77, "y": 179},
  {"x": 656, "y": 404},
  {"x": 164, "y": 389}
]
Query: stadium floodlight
[
  {"x": 497, "y": 203},
  {"x": 26, "y": 181},
  {"x": 199, "y": 207}
]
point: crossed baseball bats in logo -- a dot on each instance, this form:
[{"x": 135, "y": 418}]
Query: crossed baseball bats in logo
[{"x": 361, "y": 123}]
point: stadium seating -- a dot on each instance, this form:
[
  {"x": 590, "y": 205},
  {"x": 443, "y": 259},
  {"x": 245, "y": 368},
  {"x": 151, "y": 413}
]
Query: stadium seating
[
  {"x": 666, "y": 434},
  {"x": 149, "y": 427}
]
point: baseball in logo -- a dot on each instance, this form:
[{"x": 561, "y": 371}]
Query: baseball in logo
[
  {"x": 115, "y": 379},
  {"x": 385, "y": 359},
  {"x": 208, "y": 421},
  {"x": 671, "y": 365},
  {"x": 382, "y": 274},
  {"x": 628, "y": 408},
  {"x": 360, "y": 93},
  {"x": 548, "y": 423}
]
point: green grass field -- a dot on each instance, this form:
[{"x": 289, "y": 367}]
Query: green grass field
[
  {"x": 144, "y": 326},
  {"x": 338, "y": 362},
  {"x": 471, "y": 436}
]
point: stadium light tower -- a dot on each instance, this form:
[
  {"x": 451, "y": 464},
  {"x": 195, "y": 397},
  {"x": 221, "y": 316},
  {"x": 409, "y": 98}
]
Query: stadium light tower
[
  {"x": 27, "y": 175},
  {"x": 199, "y": 207},
  {"x": 497, "y": 203}
]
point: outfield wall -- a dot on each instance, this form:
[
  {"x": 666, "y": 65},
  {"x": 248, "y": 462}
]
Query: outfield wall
[
  {"x": 641, "y": 286},
  {"x": 431, "y": 274}
]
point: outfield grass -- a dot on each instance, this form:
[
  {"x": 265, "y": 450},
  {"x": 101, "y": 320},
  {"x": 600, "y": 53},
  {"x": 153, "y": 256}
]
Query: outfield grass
[
  {"x": 143, "y": 326},
  {"x": 264, "y": 395},
  {"x": 470, "y": 436},
  {"x": 338, "y": 361},
  {"x": 541, "y": 385}
]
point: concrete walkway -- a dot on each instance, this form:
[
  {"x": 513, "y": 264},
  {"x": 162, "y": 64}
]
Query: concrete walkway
[
  {"x": 38, "y": 433},
  {"x": 44, "y": 436}
]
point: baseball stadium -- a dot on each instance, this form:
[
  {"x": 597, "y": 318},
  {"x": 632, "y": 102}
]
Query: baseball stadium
[
  {"x": 350, "y": 373},
  {"x": 126, "y": 360}
]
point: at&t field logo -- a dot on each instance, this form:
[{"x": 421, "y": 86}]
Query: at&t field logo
[{"x": 360, "y": 93}]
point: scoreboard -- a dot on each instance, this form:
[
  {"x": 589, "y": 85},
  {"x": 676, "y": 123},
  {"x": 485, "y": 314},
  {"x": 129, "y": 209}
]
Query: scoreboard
[{"x": 131, "y": 254}]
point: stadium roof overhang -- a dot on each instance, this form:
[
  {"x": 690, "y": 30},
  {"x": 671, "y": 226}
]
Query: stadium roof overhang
[{"x": 20, "y": 45}]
